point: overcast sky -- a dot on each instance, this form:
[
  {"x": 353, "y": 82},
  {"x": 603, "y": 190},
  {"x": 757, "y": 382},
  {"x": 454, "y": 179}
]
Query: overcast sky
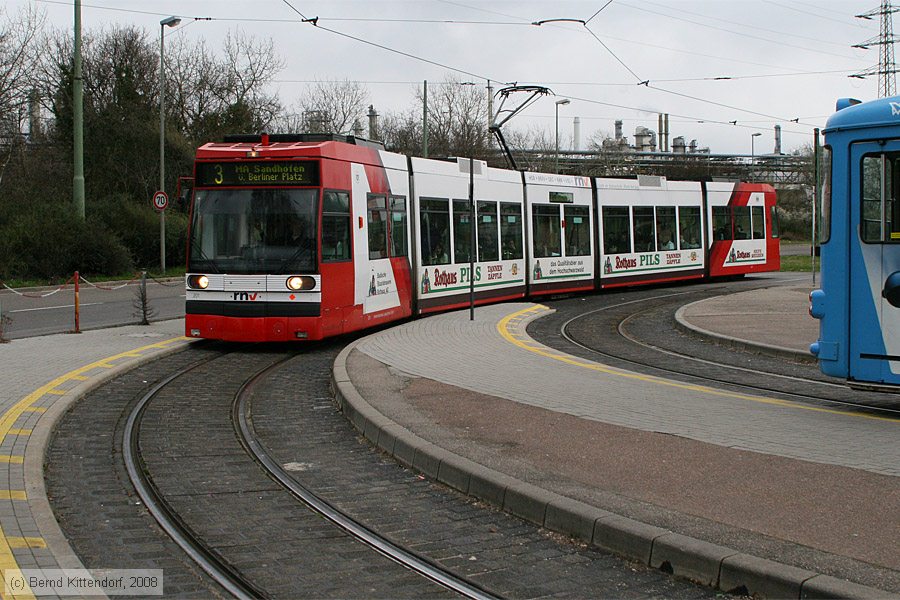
[{"x": 787, "y": 59}]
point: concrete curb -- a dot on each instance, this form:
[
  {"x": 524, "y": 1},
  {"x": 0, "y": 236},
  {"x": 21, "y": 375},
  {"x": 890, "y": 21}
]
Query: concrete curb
[
  {"x": 36, "y": 451},
  {"x": 768, "y": 349},
  {"x": 717, "y": 566}
]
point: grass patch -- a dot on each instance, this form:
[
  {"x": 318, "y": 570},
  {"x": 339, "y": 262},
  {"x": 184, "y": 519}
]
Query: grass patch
[{"x": 802, "y": 263}]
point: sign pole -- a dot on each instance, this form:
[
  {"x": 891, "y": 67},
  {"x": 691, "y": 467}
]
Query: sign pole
[
  {"x": 77, "y": 314},
  {"x": 472, "y": 239}
]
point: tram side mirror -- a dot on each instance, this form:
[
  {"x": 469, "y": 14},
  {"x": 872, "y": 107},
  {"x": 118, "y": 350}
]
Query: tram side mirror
[
  {"x": 184, "y": 191},
  {"x": 891, "y": 291}
]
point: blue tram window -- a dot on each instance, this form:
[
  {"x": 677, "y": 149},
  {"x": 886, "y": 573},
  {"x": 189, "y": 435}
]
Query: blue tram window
[
  {"x": 825, "y": 212},
  {"x": 880, "y": 218}
]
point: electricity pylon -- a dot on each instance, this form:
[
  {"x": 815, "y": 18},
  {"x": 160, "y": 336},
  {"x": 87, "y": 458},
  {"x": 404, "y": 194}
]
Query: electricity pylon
[{"x": 886, "y": 68}]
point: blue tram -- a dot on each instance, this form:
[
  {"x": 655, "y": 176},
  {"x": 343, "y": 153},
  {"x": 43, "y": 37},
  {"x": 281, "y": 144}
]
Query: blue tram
[{"x": 858, "y": 304}]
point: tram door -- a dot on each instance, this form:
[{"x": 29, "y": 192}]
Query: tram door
[{"x": 874, "y": 252}]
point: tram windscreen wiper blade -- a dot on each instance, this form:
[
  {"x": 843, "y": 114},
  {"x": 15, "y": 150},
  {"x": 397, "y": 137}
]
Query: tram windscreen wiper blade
[
  {"x": 212, "y": 264},
  {"x": 290, "y": 259}
]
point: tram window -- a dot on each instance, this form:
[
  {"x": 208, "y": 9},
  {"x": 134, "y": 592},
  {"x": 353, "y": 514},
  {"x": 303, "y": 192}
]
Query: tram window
[
  {"x": 825, "y": 212},
  {"x": 616, "y": 230},
  {"x": 665, "y": 227},
  {"x": 741, "y": 222},
  {"x": 578, "y": 231},
  {"x": 377, "y": 210},
  {"x": 545, "y": 219},
  {"x": 398, "y": 226},
  {"x": 721, "y": 222},
  {"x": 462, "y": 232},
  {"x": 758, "y": 218},
  {"x": 775, "y": 232},
  {"x": 435, "y": 235},
  {"x": 871, "y": 199},
  {"x": 643, "y": 229},
  {"x": 488, "y": 235},
  {"x": 511, "y": 230},
  {"x": 880, "y": 206},
  {"x": 689, "y": 227},
  {"x": 335, "y": 226}
]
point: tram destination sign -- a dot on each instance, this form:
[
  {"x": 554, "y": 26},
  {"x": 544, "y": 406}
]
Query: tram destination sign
[{"x": 257, "y": 173}]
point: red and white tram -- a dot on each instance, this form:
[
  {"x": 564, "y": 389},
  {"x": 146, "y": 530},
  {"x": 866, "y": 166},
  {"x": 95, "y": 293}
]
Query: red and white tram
[{"x": 305, "y": 237}]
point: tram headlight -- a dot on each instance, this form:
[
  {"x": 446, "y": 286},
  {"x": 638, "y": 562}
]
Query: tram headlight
[
  {"x": 198, "y": 282},
  {"x": 299, "y": 283}
]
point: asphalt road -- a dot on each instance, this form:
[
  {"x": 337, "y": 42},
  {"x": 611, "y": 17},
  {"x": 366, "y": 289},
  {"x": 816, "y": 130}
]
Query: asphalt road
[{"x": 31, "y": 316}]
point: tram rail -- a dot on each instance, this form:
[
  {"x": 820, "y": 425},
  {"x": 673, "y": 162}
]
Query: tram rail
[
  {"x": 208, "y": 559},
  {"x": 828, "y": 392}
]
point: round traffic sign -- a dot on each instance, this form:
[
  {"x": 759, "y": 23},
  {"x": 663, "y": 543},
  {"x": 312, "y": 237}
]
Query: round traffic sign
[{"x": 160, "y": 201}]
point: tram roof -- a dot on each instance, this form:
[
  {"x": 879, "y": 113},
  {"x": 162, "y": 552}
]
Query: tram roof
[
  {"x": 287, "y": 147},
  {"x": 852, "y": 114}
]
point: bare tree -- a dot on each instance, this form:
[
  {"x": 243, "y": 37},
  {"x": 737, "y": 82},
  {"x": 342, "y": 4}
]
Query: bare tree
[
  {"x": 210, "y": 95},
  {"x": 19, "y": 54},
  {"x": 402, "y": 132},
  {"x": 457, "y": 119},
  {"x": 333, "y": 106}
]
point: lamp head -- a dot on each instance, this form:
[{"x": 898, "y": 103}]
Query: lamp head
[
  {"x": 563, "y": 102},
  {"x": 170, "y": 22}
]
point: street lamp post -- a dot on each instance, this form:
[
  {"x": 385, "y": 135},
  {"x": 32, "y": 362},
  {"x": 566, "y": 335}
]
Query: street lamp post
[
  {"x": 167, "y": 22},
  {"x": 752, "y": 149},
  {"x": 562, "y": 102}
]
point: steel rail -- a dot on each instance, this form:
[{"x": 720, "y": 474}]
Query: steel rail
[
  {"x": 220, "y": 571},
  {"x": 804, "y": 397},
  {"x": 403, "y": 556}
]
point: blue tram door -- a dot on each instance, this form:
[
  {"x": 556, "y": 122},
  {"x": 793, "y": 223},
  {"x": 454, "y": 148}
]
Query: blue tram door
[{"x": 874, "y": 263}]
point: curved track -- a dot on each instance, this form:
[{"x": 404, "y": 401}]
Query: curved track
[
  {"x": 214, "y": 561},
  {"x": 258, "y": 539},
  {"x": 637, "y": 330}
]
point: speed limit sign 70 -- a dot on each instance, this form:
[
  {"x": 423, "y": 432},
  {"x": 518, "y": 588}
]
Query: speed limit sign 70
[{"x": 160, "y": 201}]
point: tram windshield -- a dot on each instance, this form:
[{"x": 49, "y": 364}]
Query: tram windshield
[{"x": 245, "y": 231}]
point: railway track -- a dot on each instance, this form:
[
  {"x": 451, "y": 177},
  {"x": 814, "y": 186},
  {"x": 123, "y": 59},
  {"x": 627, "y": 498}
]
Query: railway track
[
  {"x": 221, "y": 442},
  {"x": 637, "y": 331},
  {"x": 214, "y": 561}
]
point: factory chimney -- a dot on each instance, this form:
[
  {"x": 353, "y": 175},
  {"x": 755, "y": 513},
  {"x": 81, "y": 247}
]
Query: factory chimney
[
  {"x": 373, "y": 123},
  {"x": 576, "y": 124},
  {"x": 778, "y": 139}
]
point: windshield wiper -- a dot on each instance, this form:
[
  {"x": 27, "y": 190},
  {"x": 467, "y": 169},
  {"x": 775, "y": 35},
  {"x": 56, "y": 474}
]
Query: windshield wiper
[
  {"x": 300, "y": 250},
  {"x": 203, "y": 256}
]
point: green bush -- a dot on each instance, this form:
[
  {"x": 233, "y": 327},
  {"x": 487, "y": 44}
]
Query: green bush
[
  {"x": 136, "y": 224},
  {"x": 50, "y": 242}
]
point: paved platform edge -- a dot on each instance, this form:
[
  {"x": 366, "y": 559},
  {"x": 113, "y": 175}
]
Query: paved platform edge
[
  {"x": 759, "y": 347},
  {"x": 36, "y": 450},
  {"x": 709, "y": 564}
]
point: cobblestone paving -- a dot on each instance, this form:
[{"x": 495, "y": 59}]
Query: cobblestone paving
[
  {"x": 199, "y": 466},
  {"x": 92, "y": 497},
  {"x": 294, "y": 416},
  {"x": 195, "y": 459}
]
